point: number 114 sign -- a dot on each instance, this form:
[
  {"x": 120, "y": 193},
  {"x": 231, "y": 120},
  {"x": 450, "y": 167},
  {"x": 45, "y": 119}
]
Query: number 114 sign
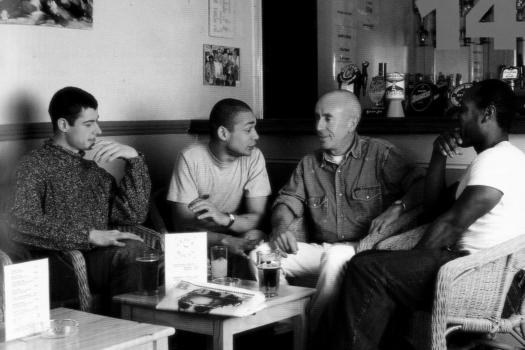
[{"x": 504, "y": 29}]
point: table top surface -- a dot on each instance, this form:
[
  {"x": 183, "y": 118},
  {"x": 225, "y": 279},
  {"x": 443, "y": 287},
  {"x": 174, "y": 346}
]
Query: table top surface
[
  {"x": 285, "y": 295},
  {"x": 95, "y": 332}
]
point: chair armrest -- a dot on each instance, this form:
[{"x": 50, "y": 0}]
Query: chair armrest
[
  {"x": 78, "y": 262},
  {"x": 152, "y": 238},
  {"x": 406, "y": 221},
  {"x": 475, "y": 286}
]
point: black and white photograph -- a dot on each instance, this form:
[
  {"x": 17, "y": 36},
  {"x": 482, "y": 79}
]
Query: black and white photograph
[
  {"x": 75, "y": 14},
  {"x": 222, "y": 65},
  {"x": 356, "y": 181}
]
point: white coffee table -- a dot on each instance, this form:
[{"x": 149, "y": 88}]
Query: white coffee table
[{"x": 291, "y": 303}]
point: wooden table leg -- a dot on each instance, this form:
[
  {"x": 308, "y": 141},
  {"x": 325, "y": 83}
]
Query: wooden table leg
[
  {"x": 222, "y": 336},
  {"x": 300, "y": 331}
]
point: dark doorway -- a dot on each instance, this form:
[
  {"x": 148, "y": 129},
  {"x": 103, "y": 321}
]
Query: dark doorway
[{"x": 289, "y": 58}]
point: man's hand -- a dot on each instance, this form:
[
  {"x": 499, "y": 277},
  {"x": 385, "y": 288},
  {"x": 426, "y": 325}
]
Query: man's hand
[
  {"x": 252, "y": 238},
  {"x": 285, "y": 241},
  {"x": 385, "y": 218},
  {"x": 237, "y": 245},
  {"x": 106, "y": 238},
  {"x": 448, "y": 144},
  {"x": 204, "y": 209},
  {"x": 108, "y": 151}
]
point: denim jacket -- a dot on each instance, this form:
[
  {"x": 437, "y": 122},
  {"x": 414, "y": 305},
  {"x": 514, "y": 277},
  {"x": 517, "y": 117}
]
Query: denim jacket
[{"x": 340, "y": 201}]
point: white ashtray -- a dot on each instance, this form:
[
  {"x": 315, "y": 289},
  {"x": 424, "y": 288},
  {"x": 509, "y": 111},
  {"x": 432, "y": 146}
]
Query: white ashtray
[{"x": 61, "y": 328}]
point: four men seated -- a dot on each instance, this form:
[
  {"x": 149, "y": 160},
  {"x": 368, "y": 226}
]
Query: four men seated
[{"x": 352, "y": 187}]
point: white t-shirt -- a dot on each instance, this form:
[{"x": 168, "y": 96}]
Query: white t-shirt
[
  {"x": 501, "y": 167},
  {"x": 198, "y": 172}
]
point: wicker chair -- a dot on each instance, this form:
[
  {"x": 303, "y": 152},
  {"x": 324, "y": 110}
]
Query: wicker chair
[
  {"x": 4, "y": 260},
  {"x": 471, "y": 292}
]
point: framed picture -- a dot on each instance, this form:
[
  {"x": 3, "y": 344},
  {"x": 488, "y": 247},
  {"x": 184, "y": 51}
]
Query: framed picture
[
  {"x": 222, "y": 65},
  {"x": 68, "y": 14}
]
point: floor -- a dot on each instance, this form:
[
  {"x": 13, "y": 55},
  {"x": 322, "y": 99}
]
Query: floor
[{"x": 263, "y": 338}]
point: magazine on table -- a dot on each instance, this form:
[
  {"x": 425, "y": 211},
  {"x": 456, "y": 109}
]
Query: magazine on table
[{"x": 213, "y": 299}]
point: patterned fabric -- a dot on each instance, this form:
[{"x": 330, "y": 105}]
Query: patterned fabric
[
  {"x": 60, "y": 197},
  {"x": 341, "y": 200}
]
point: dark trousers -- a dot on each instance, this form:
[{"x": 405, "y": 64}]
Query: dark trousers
[
  {"x": 379, "y": 289},
  {"x": 111, "y": 271}
]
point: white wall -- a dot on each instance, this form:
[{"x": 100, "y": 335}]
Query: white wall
[{"x": 142, "y": 60}]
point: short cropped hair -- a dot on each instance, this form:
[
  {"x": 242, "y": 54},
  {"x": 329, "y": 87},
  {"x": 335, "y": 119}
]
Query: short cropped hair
[
  {"x": 224, "y": 113},
  {"x": 497, "y": 93},
  {"x": 68, "y": 103}
]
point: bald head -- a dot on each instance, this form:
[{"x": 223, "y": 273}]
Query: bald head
[
  {"x": 338, "y": 113},
  {"x": 344, "y": 100}
]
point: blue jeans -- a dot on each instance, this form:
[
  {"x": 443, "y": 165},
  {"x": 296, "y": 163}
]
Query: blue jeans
[{"x": 377, "y": 287}]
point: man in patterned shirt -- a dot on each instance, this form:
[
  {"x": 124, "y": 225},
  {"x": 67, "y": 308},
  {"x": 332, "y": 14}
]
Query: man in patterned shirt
[
  {"x": 351, "y": 187},
  {"x": 64, "y": 201}
]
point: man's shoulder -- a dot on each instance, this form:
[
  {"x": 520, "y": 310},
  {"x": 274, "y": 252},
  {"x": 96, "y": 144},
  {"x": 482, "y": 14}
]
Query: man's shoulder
[
  {"x": 197, "y": 151},
  {"x": 38, "y": 159},
  {"x": 376, "y": 142}
]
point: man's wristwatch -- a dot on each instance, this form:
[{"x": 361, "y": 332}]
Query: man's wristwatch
[
  {"x": 401, "y": 203},
  {"x": 232, "y": 219}
]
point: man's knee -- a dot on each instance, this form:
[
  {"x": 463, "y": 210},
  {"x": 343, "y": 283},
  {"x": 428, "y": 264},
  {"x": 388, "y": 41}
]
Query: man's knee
[{"x": 338, "y": 254}]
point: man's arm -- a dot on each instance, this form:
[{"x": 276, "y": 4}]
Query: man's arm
[
  {"x": 130, "y": 199},
  {"x": 184, "y": 220},
  {"x": 437, "y": 198},
  {"x": 405, "y": 181},
  {"x": 285, "y": 240},
  {"x": 473, "y": 203},
  {"x": 201, "y": 214}
]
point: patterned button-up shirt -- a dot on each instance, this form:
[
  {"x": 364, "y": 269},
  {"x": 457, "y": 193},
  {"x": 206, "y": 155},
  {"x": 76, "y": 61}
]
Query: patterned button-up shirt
[
  {"x": 340, "y": 201},
  {"x": 60, "y": 197}
]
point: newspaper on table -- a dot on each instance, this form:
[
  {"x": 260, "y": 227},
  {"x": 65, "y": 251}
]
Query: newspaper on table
[{"x": 213, "y": 299}]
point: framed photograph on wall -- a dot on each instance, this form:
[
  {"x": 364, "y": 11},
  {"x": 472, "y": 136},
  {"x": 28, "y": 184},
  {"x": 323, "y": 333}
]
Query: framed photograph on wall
[{"x": 222, "y": 65}]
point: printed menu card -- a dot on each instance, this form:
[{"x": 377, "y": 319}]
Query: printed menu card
[
  {"x": 185, "y": 258},
  {"x": 26, "y": 287}
]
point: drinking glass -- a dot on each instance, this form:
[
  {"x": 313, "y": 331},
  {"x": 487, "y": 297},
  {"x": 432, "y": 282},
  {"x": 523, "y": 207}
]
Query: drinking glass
[
  {"x": 219, "y": 261},
  {"x": 268, "y": 267},
  {"x": 148, "y": 263}
]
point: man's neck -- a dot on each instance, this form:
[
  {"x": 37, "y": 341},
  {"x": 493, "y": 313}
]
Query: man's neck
[
  {"x": 220, "y": 153},
  {"x": 346, "y": 145},
  {"x": 59, "y": 140},
  {"x": 491, "y": 141}
]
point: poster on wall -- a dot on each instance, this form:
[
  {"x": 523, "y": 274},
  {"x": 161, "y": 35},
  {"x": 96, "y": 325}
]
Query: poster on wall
[
  {"x": 221, "y": 18},
  {"x": 222, "y": 65},
  {"x": 76, "y": 14}
]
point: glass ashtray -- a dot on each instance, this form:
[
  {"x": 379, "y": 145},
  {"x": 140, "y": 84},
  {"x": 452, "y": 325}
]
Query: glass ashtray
[
  {"x": 61, "y": 328},
  {"x": 227, "y": 281}
]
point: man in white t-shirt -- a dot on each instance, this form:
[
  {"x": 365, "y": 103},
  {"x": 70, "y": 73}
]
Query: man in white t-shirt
[
  {"x": 380, "y": 286},
  {"x": 222, "y": 187}
]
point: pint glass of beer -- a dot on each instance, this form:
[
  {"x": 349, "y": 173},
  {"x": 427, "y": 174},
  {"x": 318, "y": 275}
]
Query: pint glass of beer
[
  {"x": 148, "y": 263},
  {"x": 268, "y": 267}
]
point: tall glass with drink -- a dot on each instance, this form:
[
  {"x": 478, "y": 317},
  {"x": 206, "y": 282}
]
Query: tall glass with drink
[
  {"x": 219, "y": 261},
  {"x": 148, "y": 263},
  {"x": 268, "y": 267}
]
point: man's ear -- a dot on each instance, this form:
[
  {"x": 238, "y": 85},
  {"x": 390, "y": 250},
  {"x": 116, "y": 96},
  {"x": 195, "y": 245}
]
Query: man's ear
[
  {"x": 63, "y": 124},
  {"x": 489, "y": 113},
  {"x": 223, "y": 133}
]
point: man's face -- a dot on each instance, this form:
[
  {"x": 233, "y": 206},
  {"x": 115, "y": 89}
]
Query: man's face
[
  {"x": 84, "y": 131},
  {"x": 469, "y": 119},
  {"x": 333, "y": 125},
  {"x": 243, "y": 137}
]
